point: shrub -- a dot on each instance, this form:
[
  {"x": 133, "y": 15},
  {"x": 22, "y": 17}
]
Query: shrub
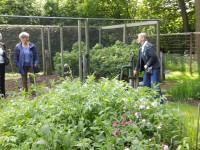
[
  {"x": 70, "y": 58},
  {"x": 104, "y": 62},
  {"x": 107, "y": 62}
]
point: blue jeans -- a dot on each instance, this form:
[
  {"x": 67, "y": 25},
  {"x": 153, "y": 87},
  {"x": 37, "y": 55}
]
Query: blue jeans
[{"x": 150, "y": 80}]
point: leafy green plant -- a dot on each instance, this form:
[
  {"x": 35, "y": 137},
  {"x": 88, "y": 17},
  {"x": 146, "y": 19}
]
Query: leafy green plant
[{"x": 107, "y": 114}]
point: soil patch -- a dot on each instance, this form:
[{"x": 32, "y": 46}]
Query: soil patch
[{"x": 14, "y": 83}]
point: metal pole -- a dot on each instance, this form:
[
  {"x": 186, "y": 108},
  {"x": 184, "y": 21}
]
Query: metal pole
[
  {"x": 61, "y": 49},
  {"x": 43, "y": 51},
  {"x": 80, "y": 53}
]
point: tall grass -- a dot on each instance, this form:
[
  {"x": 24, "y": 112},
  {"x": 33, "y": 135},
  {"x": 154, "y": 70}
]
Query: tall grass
[
  {"x": 184, "y": 85},
  {"x": 190, "y": 119},
  {"x": 185, "y": 90}
]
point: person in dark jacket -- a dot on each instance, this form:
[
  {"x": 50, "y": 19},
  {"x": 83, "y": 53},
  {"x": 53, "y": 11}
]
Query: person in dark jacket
[
  {"x": 147, "y": 57},
  {"x": 25, "y": 58},
  {"x": 2, "y": 68}
]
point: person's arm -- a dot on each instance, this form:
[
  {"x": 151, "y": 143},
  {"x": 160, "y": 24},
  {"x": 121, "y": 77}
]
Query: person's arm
[
  {"x": 4, "y": 47},
  {"x": 35, "y": 57},
  {"x": 151, "y": 53}
]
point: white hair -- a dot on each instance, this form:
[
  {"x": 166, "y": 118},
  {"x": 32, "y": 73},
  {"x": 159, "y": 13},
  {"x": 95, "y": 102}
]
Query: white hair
[
  {"x": 143, "y": 35},
  {"x": 0, "y": 36},
  {"x": 23, "y": 34}
]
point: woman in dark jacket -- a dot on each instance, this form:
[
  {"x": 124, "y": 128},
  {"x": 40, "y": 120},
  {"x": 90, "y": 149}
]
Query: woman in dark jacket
[
  {"x": 25, "y": 58},
  {"x": 2, "y": 68},
  {"x": 147, "y": 57}
]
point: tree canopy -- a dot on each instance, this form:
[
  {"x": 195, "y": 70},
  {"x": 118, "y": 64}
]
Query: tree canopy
[{"x": 175, "y": 16}]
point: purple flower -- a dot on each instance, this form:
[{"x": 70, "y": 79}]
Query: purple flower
[
  {"x": 114, "y": 123},
  {"x": 130, "y": 122},
  {"x": 116, "y": 132},
  {"x": 123, "y": 122}
]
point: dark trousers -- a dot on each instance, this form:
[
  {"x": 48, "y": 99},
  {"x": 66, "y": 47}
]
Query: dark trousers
[
  {"x": 2, "y": 80},
  {"x": 25, "y": 77},
  {"x": 151, "y": 80}
]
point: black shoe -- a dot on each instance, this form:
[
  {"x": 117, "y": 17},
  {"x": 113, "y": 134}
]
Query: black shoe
[{"x": 162, "y": 101}]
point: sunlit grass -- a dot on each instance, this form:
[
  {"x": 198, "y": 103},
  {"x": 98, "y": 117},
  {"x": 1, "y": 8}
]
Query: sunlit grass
[
  {"x": 185, "y": 108},
  {"x": 183, "y": 86},
  {"x": 190, "y": 119},
  {"x": 177, "y": 75}
]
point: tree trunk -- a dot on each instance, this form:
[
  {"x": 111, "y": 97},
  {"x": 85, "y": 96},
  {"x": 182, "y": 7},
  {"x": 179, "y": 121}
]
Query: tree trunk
[
  {"x": 184, "y": 15},
  {"x": 197, "y": 44}
]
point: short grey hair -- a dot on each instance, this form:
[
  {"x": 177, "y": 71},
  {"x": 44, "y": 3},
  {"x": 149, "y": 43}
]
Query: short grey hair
[
  {"x": 144, "y": 35},
  {"x": 23, "y": 34},
  {"x": 0, "y": 36}
]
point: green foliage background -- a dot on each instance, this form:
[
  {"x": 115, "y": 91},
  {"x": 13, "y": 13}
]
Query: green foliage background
[
  {"x": 166, "y": 10},
  {"x": 104, "y": 61}
]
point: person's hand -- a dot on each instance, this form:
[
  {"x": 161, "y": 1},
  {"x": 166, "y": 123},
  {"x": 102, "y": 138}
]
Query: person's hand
[
  {"x": 135, "y": 72},
  {"x": 145, "y": 66}
]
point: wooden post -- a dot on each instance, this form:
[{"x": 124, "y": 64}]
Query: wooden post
[
  {"x": 49, "y": 68},
  {"x": 80, "y": 53},
  {"x": 162, "y": 67},
  {"x": 87, "y": 57},
  {"x": 190, "y": 61},
  {"x": 43, "y": 51},
  {"x": 61, "y": 49},
  {"x": 100, "y": 30},
  {"x": 124, "y": 34},
  {"x": 158, "y": 47},
  {"x": 47, "y": 60}
]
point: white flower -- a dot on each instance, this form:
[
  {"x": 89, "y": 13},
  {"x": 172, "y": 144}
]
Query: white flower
[
  {"x": 142, "y": 106},
  {"x": 148, "y": 123},
  {"x": 165, "y": 147},
  {"x": 147, "y": 107},
  {"x": 137, "y": 114},
  {"x": 143, "y": 120},
  {"x": 160, "y": 125},
  {"x": 65, "y": 65},
  {"x": 154, "y": 104}
]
